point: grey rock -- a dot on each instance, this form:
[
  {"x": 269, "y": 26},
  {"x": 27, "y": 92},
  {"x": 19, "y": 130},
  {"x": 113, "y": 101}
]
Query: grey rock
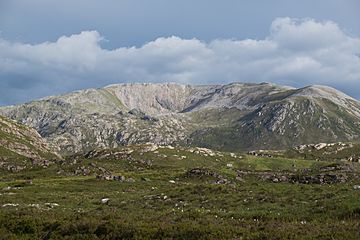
[{"x": 173, "y": 114}]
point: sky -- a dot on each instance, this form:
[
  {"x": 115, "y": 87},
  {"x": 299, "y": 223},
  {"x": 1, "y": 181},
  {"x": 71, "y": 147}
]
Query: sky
[{"x": 50, "y": 47}]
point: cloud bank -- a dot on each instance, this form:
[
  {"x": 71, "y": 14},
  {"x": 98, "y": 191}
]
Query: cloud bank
[{"x": 297, "y": 52}]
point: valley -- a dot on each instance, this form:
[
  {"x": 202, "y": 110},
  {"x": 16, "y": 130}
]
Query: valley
[
  {"x": 179, "y": 120},
  {"x": 169, "y": 161}
]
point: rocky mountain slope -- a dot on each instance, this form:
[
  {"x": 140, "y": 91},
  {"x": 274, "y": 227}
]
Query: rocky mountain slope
[
  {"x": 21, "y": 146},
  {"x": 232, "y": 117}
]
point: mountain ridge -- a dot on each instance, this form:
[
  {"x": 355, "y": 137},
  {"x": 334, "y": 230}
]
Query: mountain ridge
[{"x": 247, "y": 116}]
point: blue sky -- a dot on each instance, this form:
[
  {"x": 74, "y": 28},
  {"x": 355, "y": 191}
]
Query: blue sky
[{"x": 51, "y": 47}]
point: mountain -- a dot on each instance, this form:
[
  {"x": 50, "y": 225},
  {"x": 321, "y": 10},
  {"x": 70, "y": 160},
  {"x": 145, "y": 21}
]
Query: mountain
[
  {"x": 21, "y": 146},
  {"x": 234, "y": 117}
]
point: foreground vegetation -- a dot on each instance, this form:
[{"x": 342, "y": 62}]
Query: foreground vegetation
[{"x": 180, "y": 193}]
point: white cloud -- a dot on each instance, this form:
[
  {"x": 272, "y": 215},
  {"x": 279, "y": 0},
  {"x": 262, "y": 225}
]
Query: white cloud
[
  {"x": 294, "y": 34},
  {"x": 296, "y": 52}
]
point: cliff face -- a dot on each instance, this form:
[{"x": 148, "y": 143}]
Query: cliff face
[{"x": 231, "y": 117}]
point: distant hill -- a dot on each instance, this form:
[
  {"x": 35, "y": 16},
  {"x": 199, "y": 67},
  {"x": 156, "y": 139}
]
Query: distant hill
[{"x": 232, "y": 117}]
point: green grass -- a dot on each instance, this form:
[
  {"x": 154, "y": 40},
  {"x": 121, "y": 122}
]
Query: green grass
[
  {"x": 279, "y": 164},
  {"x": 190, "y": 208},
  {"x": 112, "y": 98}
]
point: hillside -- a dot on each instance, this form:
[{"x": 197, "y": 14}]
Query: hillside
[
  {"x": 22, "y": 147},
  {"x": 232, "y": 117}
]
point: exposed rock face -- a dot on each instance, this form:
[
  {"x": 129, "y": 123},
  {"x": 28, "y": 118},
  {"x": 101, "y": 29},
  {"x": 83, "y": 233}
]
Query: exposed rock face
[
  {"x": 20, "y": 143},
  {"x": 229, "y": 117},
  {"x": 288, "y": 118}
]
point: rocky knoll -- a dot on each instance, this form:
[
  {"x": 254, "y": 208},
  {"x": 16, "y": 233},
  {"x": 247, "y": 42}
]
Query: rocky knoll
[{"x": 232, "y": 117}]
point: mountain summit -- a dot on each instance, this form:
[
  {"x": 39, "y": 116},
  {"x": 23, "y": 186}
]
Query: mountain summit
[{"x": 236, "y": 116}]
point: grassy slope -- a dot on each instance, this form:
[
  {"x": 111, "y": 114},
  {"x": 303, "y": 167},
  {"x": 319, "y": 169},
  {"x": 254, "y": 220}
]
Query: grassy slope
[
  {"x": 190, "y": 208},
  {"x": 108, "y": 94}
]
